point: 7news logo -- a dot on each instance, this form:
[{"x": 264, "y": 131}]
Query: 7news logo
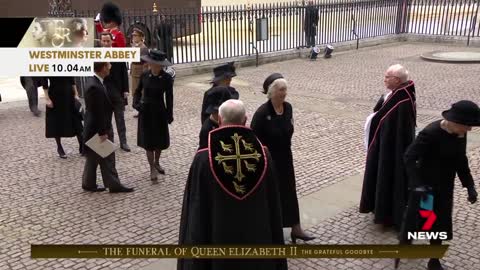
[{"x": 430, "y": 217}]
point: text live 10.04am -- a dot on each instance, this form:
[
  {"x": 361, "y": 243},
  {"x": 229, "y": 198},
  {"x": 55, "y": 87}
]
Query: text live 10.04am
[{"x": 58, "y": 68}]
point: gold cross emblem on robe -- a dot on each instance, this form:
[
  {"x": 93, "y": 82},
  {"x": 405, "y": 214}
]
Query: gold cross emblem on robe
[{"x": 240, "y": 158}]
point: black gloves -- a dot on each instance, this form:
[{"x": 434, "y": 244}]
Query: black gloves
[
  {"x": 138, "y": 106},
  {"x": 170, "y": 119},
  {"x": 472, "y": 195}
]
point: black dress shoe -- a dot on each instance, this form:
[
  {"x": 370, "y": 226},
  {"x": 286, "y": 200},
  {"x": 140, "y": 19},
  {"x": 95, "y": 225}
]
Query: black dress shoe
[
  {"x": 95, "y": 189},
  {"x": 434, "y": 264},
  {"x": 159, "y": 169},
  {"x": 36, "y": 112},
  {"x": 304, "y": 238},
  {"x": 121, "y": 190},
  {"x": 61, "y": 153},
  {"x": 125, "y": 148}
]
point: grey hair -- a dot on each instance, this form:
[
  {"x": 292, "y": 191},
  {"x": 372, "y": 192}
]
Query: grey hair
[
  {"x": 277, "y": 84},
  {"x": 232, "y": 112},
  {"x": 399, "y": 71}
]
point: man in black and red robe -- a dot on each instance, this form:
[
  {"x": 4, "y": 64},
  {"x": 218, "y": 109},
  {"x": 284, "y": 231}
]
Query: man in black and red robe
[
  {"x": 231, "y": 196},
  {"x": 389, "y": 131}
]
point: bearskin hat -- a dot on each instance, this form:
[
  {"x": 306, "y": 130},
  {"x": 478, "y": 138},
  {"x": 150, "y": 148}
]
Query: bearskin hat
[{"x": 111, "y": 13}]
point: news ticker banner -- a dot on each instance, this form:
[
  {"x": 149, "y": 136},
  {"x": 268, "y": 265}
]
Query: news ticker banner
[
  {"x": 55, "y": 47},
  {"x": 237, "y": 251},
  {"x": 60, "y": 61}
]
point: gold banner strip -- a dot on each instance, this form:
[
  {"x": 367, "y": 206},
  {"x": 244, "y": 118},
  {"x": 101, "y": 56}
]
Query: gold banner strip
[{"x": 238, "y": 251}]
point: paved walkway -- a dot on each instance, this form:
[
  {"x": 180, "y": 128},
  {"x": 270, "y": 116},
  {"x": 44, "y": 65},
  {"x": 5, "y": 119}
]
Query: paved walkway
[{"x": 42, "y": 201}]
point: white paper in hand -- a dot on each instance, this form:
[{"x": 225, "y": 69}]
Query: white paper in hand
[{"x": 103, "y": 149}]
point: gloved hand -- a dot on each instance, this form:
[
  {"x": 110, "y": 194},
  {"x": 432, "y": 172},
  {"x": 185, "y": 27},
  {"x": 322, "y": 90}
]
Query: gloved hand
[
  {"x": 472, "y": 195},
  {"x": 138, "y": 106},
  {"x": 170, "y": 120},
  {"x": 97, "y": 18}
]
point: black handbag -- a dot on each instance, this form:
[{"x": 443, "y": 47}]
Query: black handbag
[
  {"x": 412, "y": 220},
  {"x": 138, "y": 106}
]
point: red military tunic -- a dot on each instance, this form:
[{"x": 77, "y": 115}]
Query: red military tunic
[{"x": 118, "y": 37}]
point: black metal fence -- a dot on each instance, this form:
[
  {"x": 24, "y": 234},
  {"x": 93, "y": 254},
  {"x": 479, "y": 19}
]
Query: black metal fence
[
  {"x": 232, "y": 31},
  {"x": 444, "y": 17}
]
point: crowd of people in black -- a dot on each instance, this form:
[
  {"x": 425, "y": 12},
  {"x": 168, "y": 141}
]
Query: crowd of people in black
[{"x": 241, "y": 186}]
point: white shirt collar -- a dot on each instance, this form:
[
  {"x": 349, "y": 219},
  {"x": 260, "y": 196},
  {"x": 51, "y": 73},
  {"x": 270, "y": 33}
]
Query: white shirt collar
[
  {"x": 387, "y": 95},
  {"x": 100, "y": 78}
]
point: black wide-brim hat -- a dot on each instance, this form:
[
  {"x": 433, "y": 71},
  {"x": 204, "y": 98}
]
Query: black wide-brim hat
[
  {"x": 156, "y": 57},
  {"x": 464, "y": 112},
  {"x": 269, "y": 80},
  {"x": 216, "y": 97},
  {"x": 224, "y": 72},
  {"x": 111, "y": 13}
]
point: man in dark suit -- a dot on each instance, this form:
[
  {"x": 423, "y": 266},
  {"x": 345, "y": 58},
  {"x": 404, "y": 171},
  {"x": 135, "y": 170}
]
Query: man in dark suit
[
  {"x": 117, "y": 86},
  {"x": 98, "y": 120}
]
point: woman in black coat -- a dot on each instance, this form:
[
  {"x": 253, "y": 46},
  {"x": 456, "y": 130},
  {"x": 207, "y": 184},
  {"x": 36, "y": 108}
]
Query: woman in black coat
[
  {"x": 62, "y": 113},
  {"x": 273, "y": 124},
  {"x": 154, "y": 101},
  {"x": 436, "y": 156}
]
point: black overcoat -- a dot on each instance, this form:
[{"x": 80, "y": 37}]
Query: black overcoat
[
  {"x": 154, "y": 101},
  {"x": 433, "y": 160},
  {"x": 62, "y": 120}
]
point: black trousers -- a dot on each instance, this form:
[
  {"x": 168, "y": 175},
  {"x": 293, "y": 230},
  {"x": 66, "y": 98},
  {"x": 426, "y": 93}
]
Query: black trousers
[
  {"x": 310, "y": 39},
  {"x": 32, "y": 94},
  {"x": 119, "y": 114},
  {"x": 107, "y": 168}
]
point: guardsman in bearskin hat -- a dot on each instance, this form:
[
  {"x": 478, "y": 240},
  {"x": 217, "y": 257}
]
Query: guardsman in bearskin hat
[
  {"x": 215, "y": 98},
  {"x": 231, "y": 195},
  {"x": 111, "y": 18},
  {"x": 222, "y": 77}
]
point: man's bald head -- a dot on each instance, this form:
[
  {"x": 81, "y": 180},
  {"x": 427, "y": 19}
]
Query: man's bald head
[
  {"x": 232, "y": 112},
  {"x": 395, "y": 76},
  {"x": 399, "y": 71}
]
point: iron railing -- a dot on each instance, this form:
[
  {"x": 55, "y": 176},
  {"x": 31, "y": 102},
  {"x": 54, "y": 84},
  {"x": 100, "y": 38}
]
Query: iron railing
[
  {"x": 230, "y": 31},
  {"x": 444, "y": 17}
]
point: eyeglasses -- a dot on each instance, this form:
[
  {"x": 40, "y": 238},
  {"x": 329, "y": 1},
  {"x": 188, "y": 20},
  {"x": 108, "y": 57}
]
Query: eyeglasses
[{"x": 388, "y": 77}]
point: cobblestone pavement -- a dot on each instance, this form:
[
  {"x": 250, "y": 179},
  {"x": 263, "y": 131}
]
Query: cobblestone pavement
[{"x": 43, "y": 203}]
